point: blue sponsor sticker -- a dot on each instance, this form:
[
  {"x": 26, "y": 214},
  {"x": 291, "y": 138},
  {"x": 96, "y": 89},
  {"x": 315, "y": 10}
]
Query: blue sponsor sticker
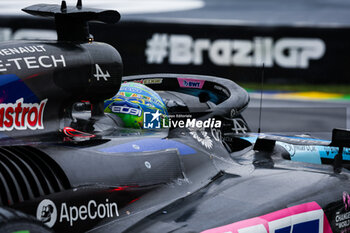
[{"x": 330, "y": 152}]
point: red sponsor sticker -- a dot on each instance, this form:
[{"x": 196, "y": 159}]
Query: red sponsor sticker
[{"x": 22, "y": 116}]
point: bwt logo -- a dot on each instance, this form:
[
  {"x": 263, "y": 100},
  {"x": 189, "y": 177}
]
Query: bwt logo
[
  {"x": 191, "y": 84},
  {"x": 284, "y": 52},
  {"x": 151, "y": 120}
]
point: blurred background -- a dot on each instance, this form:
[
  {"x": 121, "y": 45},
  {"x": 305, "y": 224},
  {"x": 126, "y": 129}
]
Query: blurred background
[{"x": 303, "y": 44}]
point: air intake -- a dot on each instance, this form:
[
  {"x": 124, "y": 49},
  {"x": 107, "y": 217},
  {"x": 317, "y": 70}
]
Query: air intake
[{"x": 27, "y": 173}]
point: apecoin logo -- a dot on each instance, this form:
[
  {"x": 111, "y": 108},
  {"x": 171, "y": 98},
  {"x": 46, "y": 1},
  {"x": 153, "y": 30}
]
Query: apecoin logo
[{"x": 47, "y": 212}]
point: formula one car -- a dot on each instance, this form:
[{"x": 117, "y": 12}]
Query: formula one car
[{"x": 66, "y": 166}]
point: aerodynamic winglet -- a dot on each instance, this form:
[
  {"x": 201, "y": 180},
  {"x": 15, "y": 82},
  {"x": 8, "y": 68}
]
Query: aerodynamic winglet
[
  {"x": 340, "y": 138},
  {"x": 71, "y": 21},
  {"x": 88, "y": 14}
]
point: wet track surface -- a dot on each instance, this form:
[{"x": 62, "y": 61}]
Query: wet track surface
[{"x": 317, "y": 118}]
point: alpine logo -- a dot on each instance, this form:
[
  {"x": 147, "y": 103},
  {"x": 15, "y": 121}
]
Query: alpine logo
[
  {"x": 99, "y": 74},
  {"x": 22, "y": 116}
]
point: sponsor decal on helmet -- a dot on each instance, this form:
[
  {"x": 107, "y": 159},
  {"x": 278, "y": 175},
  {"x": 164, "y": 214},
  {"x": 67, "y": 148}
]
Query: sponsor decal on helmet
[
  {"x": 126, "y": 110},
  {"x": 148, "y": 81},
  {"x": 22, "y": 116}
]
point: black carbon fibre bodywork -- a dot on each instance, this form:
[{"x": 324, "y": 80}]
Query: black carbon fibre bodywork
[
  {"x": 73, "y": 167},
  {"x": 180, "y": 184}
]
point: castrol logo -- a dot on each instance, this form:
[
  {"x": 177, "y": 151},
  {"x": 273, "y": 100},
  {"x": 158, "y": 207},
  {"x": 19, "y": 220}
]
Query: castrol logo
[{"x": 22, "y": 116}]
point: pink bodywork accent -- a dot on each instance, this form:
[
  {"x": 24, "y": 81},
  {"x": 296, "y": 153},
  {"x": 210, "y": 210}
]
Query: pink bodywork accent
[{"x": 265, "y": 219}]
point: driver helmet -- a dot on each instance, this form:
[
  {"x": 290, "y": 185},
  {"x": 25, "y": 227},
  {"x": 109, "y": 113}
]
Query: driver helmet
[{"x": 135, "y": 103}]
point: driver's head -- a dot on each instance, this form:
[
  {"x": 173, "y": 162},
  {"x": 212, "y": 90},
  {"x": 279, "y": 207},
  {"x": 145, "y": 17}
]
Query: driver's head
[{"x": 131, "y": 103}]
